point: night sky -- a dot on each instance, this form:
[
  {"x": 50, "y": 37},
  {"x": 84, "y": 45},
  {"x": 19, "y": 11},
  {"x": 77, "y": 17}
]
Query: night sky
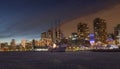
[{"x": 27, "y": 19}]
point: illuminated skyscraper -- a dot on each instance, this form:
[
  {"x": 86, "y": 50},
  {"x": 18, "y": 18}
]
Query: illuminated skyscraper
[
  {"x": 83, "y": 31},
  {"x": 100, "y": 29}
]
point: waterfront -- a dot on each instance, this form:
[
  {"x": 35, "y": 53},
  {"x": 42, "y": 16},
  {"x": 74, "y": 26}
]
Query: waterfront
[{"x": 60, "y": 60}]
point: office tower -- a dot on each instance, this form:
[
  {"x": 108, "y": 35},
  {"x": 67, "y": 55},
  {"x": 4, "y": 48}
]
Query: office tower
[
  {"x": 23, "y": 43},
  {"x": 43, "y": 35},
  {"x": 13, "y": 42},
  {"x": 117, "y": 33},
  {"x": 83, "y": 31},
  {"x": 117, "y": 30},
  {"x": 49, "y": 34},
  {"x": 100, "y": 29}
]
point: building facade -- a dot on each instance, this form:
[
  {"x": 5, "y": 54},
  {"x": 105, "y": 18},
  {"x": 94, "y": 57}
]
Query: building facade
[
  {"x": 100, "y": 29},
  {"x": 83, "y": 31},
  {"x": 117, "y": 33},
  {"x": 23, "y": 43},
  {"x": 13, "y": 42}
]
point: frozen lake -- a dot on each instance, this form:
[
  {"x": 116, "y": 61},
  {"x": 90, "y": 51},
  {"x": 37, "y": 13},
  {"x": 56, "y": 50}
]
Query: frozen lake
[{"x": 60, "y": 60}]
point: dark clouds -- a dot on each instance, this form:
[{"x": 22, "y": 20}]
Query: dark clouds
[{"x": 29, "y": 18}]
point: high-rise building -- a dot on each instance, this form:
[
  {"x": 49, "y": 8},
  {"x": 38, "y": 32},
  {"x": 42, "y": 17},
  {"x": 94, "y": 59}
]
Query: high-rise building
[
  {"x": 13, "y": 43},
  {"x": 50, "y": 34},
  {"x": 83, "y": 31},
  {"x": 0, "y": 44},
  {"x": 100, "y": 29},
  {"x": 23, "y": 43},
  {"x": 56, "y": 32},
  {"x": 43, "y": 35},
  {"x": 33, "y": 42},
  {"x": 117, "y": 32}
]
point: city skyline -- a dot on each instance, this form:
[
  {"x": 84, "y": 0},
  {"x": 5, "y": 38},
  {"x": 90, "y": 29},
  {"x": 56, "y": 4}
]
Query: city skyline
[
  {"x": 27, "y": 19},
  {"x": 82, "y": 29}
]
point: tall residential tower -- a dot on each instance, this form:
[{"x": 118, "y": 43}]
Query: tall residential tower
[{"x": 100, "y": 29}]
